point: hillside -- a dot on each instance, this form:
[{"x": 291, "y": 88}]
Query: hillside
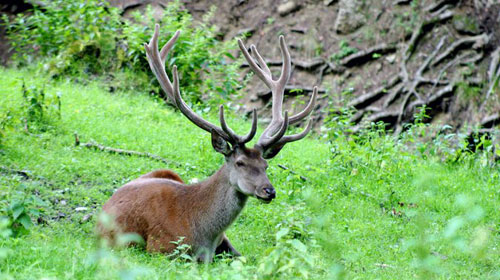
[{"x": 383, "y": 58}]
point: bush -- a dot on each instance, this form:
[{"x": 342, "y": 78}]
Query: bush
[{"x": 85, "y": 38}]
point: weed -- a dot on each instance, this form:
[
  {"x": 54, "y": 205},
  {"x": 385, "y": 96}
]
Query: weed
[
  {"x": 40, "y": 109},
  {"x": 344, "y": 51},
  {"x": 18, "y": 209}
]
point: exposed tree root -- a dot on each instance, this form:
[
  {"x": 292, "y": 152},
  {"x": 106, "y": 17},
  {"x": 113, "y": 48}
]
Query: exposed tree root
[
  {"x": 429, "y": 57},
  {"x": 363, "y": 100},
  {"x": 423, "y": 28},
  {"x": 493, "y": 77},
  {"x": 362, "y": 57},
  {"x": 475, "y": 41},
  {"x": 291, "y": 90}
]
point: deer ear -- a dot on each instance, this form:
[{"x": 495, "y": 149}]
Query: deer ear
[
  {"x": 220, "y": 145},
  {"x": 272, "y": 151}
]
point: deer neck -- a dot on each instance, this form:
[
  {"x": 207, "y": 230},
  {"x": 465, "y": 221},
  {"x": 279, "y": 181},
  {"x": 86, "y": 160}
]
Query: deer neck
[{"x": 222, "y": 203}]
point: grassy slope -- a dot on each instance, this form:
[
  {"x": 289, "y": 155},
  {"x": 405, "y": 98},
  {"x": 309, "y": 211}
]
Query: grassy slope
[{"x": 346, "y": 205}]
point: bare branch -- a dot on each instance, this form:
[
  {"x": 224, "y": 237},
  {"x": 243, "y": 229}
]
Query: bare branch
[{"x": 93, "y": 145}]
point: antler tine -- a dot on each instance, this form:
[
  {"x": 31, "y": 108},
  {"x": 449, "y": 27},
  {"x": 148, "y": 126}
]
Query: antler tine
[
  {"x": 236, "y": 138},
  {"x": 253, "y": 130},
  {"x": 261, "y": 60},
  {"x": 307, "y": 110},
  {"x": 286, "y": 67},
  {"x": 296, "y": 137},
  {"x": 166, "y": 48},
  {"x": 156, "y": 60},
  {"x": 266, "y": 141},
  {"x": 265, "y": 77},
  {"x": 278, "y": 90},
  {"x": 192, "y": 116},
  {"x": 278, "y": 124}
]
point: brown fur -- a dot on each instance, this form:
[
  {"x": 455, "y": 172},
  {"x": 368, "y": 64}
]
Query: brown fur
[
  {"x": 160, "y": 208},
  {"x": 165, "y": 174},
  {"x": 139, "y": 207}
]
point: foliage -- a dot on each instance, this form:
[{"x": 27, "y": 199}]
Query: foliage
[
  {"x": 289, "y": 257},
  {"x": 68, "y": 32},
  {"x": 89, "y": 37},
  {"x": 197, "y": 48},
  {"x": 344, "y": 51},
  {"x": 17, "y": 209},
  {"x": 372, "y": 206}
]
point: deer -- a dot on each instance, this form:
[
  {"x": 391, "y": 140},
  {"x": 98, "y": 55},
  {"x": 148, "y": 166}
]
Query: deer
[{"x": 161, "y": 208}]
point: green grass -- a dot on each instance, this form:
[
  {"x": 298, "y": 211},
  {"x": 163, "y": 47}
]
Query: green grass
[{"x": 369, "y": 210}]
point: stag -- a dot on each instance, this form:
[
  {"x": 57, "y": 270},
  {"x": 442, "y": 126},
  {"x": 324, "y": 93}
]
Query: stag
[{"x": 161, "y": 208}]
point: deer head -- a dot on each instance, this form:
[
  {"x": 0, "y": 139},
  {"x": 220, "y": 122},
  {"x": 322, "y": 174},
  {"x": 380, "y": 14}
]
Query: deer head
[{"x": 246, "y": 166}]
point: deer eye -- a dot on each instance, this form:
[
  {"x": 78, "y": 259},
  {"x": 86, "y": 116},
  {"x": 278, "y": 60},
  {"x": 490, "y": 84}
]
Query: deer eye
[{"x": 240, "y": 163}]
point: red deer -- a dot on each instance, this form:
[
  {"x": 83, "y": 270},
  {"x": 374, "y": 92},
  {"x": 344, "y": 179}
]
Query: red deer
[{"x": 161, "y": 208}]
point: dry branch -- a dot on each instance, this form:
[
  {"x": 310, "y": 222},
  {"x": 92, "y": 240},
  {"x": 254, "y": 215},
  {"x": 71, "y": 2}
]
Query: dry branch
[{"x": 93, "y": 145}]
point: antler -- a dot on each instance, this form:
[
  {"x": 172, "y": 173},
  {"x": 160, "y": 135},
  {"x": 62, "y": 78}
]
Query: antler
[
  {"x": 156, "y": 61},
  {"x": 274, "y": 135}
]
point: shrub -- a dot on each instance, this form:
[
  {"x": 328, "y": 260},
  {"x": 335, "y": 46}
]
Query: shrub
[{"x": 85, "y": 38}]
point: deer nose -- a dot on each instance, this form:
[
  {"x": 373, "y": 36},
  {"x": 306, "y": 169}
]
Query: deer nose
[{"x": 270, "y": 191}]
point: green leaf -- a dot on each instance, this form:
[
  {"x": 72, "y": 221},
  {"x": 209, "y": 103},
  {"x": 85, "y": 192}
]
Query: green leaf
[
  {"x": 282, "y": 232},
  {"x": 299, "y": 245},
  {"x": 17, "y": 210},
  {"x": 25, "y": 221}
]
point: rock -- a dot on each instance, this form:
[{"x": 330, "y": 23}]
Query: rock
[
  {"x": 288, "y": 7},
  {"x": 466, "y": 25},
  {"x": 391, "y": 58},
  {"x": 349, "y": 18},
  {"x": 86, "y": 218},
  {"x": 79, "y": 209}
]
